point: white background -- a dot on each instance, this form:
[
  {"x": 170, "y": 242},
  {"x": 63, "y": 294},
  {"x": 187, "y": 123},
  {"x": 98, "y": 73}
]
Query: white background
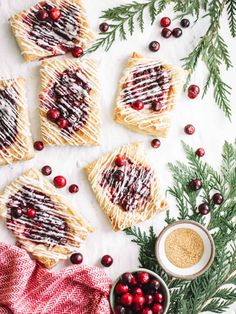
[{"x": 212, "y": 128}]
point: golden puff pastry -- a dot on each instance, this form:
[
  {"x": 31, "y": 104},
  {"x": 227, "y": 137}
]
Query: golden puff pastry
[
  {"x": 70, "y": 90},
  {"x": 126, "y": 186},
  {"x": 147, "y": 94},
  {"x": 42, "y": 222},
  {"x": 15, "y": 136},
  {"x": 40, "y": 36}
]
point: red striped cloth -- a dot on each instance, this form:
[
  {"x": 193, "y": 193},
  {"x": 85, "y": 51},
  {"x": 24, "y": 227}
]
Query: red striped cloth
[{"x": 28, "y": 288}]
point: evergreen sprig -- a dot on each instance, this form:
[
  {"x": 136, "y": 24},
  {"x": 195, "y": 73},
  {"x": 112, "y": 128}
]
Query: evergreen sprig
[
  {"x": 215, "y": 290},
  {"x": 211, "y": 48}
]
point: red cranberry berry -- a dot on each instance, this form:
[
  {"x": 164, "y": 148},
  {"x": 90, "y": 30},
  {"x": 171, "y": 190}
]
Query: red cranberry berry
[
  {"x": 165, "y": 21},
  {"x": 127, "y": 278},
  {"x": 166, "y": 32},
  {"x": 107, "y": 260},
  {"x": 16, "y": 212},
  {"x": 158, "y": 297},
  {"x": 156, "y": 143},
  {"x": 143, "y": 277},
  {"x": 193, "y": 91},
  {"x": 118, "y": 175},
  {"x": 59, "y": 182},
  {"x": 31, "y": 213},
  {"x": 77, "y": 52},
  {"x": 148, "y": 299},
  {"x": 189, "y": 129},
  {"x": 154, "y": 46},
  {"x": 38, "y": 145},
  {"x": 119, "y": 309},
  {"x": 155, "y": 284},
  {"x": 137, "y": 291},
  {"x": 136, "y": 308},
  {"x": 204, "y": 209},
  {"x": 138, "y": 299},
  {"x": 42, "y": 15},
  {"x": 156, "y": 105},
  {"x": 120, "y": 160},
  {"x": 76, "y": 258},
  {"x": 73, "y": 188},
  {"x": 46, "y": 170},
  {"x": 134, "y": 282},
  {"x": 147, "y": 311},
  {"x": 138, "y": 105},
  {"x": 121, "y": 288},
  {"x": 177, "y": 32},
  {"x": 217, "y": 198},
  {"x": 185, "y": 23},
  {"x": 53, "y": 114},
  {"x": 200, "y": 152},
  {"x": 63, "y": 123},
  {"x": 157, "y": 308},
  {"x": 195, "y": 184},
  {"x": 55, "y": 14},
  {"x": 104, "y": 27},
  {"x": 127, "y": 299}
]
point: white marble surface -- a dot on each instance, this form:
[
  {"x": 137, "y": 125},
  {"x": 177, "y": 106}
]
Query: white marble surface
[{"x": 212, "y": 128}]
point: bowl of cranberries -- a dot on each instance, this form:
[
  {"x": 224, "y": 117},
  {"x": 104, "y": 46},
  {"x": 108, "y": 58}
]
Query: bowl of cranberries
[{"x": 141, "y": 291}]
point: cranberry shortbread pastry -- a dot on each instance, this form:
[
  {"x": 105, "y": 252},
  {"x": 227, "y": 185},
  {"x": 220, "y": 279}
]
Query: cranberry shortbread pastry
[
  {"x": 146, "y": 95},
  {"x": 126, "y": 186},
  {"x": 15, "y": 136},
  {"x": 69, "y": 102},
  {"x": 42, "y": 222},
  {"x": 51, "y": 28}
]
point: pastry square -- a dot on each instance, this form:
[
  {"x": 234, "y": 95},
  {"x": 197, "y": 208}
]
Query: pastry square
[
  {"x": 147, "y": 94},
  {"x": 40, "y": 36},
  {"x": 126, "y": 186},
  {"x": 69, "y": 102},
  {"x": 54, "y": 232},
  {"x": 15, "y": 136}
]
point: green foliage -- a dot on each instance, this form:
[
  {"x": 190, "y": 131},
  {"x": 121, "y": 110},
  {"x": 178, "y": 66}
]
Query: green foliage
[{"x": 215, "y": 290}]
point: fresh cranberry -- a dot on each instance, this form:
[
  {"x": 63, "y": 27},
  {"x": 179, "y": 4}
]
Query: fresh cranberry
[
  {"x": 148, "y": 299},
  {"x": 147, "y": 311},
  {"x": 55, "y": 14},
  {"x": 137, "y": 308},
  {"x": 46, "y": 170},
  {"x": 156, "y": 105},
  {"x": 200, "y": 152},
  {"x": 189, "y": 129},
  {"x": 156, "y": 143},
  {"x": 104, "y": 27},
  {"x": 204, "y": 209},
  {"x": 143, "y": 277},
  {"x": 185, "y": 23},
  {"x": 42, "y": 15},
  {"x": 165, "y": 21},
  {"x": 59, "y": 182},
  {"x": 63, "y": 123},
  {"x": 107, "y": 260},
  {"x": 121, "y": 288},
  {"x": 195, "y": 184},
  {"x": 16, "y": 212},
  {"x": 76, "y": 258},
  {"x": 138, "y": 299},
  {"x": 137, "y": 291},
  {"x": 120, "y": 160},
  {"x": 193, "y": 91},
  {"x": 217, "y": 198},
  {"x": 134, "y": 282},
  {"x": 154, "y": 46},
  {"x": 77, "y": 52},
  {"x": 155, "y": 284},
  {"x": 158, "y": 297},
  {"x": 73, "y": 188},
  {"x": 177, "y": 32},
  {"x": 166, "y": 32},
  {"x": 138, "y": 105},
  {"x": 127, "y": 299},
  {"x": 120, "y": 310},
  {"x": 38, "y": 145},
  {"x": 53, "y": 114},
  {"x": 31, "y": 213},
  {"x": 127, "y": 278},
  {"x": 118, "y": 175},
  {"x": 157, "y": 308}
]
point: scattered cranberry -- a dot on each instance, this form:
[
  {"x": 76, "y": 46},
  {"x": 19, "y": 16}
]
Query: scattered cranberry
[
  {"x": 104, "y": 27},
  {"x": 127, "y": 278},
  {"x": 127, "y": 299},
  {"x": 155, "y": 284},
  {"x": 193, "y": 91},
  {"x": 177, "y": 32},
  {"x": 204, "y": 209},
  {"x": 143, "y": 277},
  {"x": 63, "y": 123},
  {"x": 31, "y": 213},
  {"x": 200, "y": 152},
  {"x": 118, "y": 175},
  {"x": 154, "y": 46},
  {"x": 157, "y": 308},
  {"x": 185, "y": 23},
  {"x": 107, "y": 260},
  {"x": 166, "y": 32},
  {"x": 120, "y": 310},
  {"x": 165, "y": 21},
  {"x": 138, "y": 299},
  {"x": 38, "y": 145},
  {"x": 138, "y": 105},
  {"x": 189, "y": 129},
  {"x": 158, "y": 297},
  {"x": 76, "y": 258},
  {"x": 148, "y": 299},
  {"x": 77, "y": 52},
  {"x": 156, "y": 143},
  {"x": 120, "y": 160},
  {"x": 147, "y": 311},
  {"x": 195, "y": 184},
  {"x": 46, "y": 170},
  {"x": 16, "y": 212},
  {"x": 156, "y": 105},
  {"x": 59, "y": 182},
  {"x": 121, "y": 288},
  {"x": 42, "y": 15},
  {"x": 217, "y": 198},
  {"x": 53, "y": 114},
  {"x": 73, "y": 188},
  {"x": 137, "y": 291},
  {"x": 55, "y": 14}
]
